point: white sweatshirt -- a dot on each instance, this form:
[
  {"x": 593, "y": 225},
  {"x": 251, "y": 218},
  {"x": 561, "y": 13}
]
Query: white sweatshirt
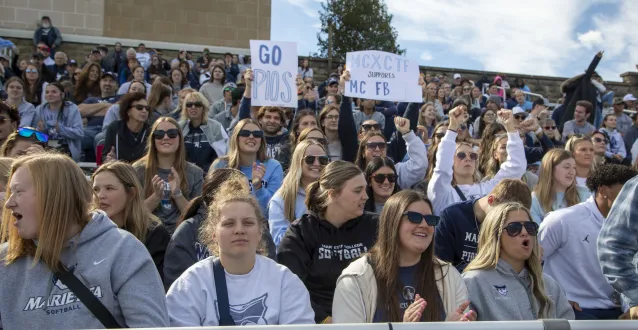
[
  {"x": 413, "y": 170},
  {"x": 263, "y": 296},
  {"x": 440, "y": 190},
  {"x": 568, "y": 237}
]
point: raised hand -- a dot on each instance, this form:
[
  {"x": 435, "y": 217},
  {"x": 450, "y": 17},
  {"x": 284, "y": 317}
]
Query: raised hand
[
  {"x": 457, "y": 117},
  {"x": 111, "y": 157},
  {"x": 158, "y": 186},
  {"x": 402, "y": 125}
]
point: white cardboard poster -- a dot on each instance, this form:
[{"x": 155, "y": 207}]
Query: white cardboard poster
[{"x": 274, "y": 65}]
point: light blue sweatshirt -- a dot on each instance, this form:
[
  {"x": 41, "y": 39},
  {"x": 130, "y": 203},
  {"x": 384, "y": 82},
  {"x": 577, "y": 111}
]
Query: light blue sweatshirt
[
  {"x": 270, "y": 183},
  {"x": 277, "y": 219},
  {"x": 69, "y": 129},
  {"x": 27, "y": 112},
  {"x": 537, "y": 211}
]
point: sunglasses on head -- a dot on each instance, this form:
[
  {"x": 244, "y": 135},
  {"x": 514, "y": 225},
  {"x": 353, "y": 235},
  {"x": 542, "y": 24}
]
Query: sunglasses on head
[
  {"x": 416, "y": 218},
  {"x": 247, "y": 133},
  {"x": 599, "y": 140},
  {"x": 380, "y": 178},
  {"x": 515, "y": 228},
  {"x": 323, "y": 160},
  {"x": 194, "y": 104},
  {"x": 320, "y": 140},
  {"x": 375, "y": 145},
  {"x": 462, "y": 155},
  {"x": 550, "y": 127},
  {"x": 140, "y": 107},
  {"x": 367, "y": 127},
  {"x": 160, "y": 133},
  {"x": 27, "y": 132}
]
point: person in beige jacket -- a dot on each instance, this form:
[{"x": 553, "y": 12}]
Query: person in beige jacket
[{"x": 401, "y": 271}]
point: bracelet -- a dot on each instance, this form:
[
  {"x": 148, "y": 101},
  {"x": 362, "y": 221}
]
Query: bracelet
[{"x": 177, "y": 194}]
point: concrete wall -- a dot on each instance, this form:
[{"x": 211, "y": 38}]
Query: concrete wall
[{"x": 85, "y": 17}]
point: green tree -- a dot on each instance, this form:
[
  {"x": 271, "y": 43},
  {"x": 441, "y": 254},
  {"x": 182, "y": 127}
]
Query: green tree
[{"x": 357, "y": 25}]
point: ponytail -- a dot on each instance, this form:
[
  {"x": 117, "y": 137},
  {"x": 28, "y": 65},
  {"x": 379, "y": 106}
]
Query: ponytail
[{"x": 312, "y": 194}]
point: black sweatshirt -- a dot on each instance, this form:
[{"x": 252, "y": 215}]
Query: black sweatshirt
[
  {"x": 318, "y": 252},
  {"x": 157, "y": 239},
  {"x": 127, "y": 147}
]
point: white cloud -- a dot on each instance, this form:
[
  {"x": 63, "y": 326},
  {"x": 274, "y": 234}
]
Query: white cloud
[
  {"x": 591, "y": 38},
  {"x": 426, "y": 56},
  {"x": 306, "y": 7}
]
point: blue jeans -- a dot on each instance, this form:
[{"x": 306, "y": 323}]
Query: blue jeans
[
  {"x": 598, "y": 314},
  {"x": 88, "y": 146}
]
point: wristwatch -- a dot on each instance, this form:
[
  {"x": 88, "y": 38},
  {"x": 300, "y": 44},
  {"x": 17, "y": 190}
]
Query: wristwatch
[{"x": 177, "y": 193}]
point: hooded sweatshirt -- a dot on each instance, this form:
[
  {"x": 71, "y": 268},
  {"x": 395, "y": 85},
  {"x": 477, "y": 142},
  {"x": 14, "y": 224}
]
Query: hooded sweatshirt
[
  {"x": 502, "y": 294},
  {"x": 456, "y": 235},
  {"x": 615, "y": 143},
  {"x": 69, "y": 125},
  {"x": 185, "y": 249},
  {"x": 122, "y": 276},
  {"x": 318, "y": 252}
]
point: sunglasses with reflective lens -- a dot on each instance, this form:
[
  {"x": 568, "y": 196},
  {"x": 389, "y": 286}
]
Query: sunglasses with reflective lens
[
  {"x": 323, "y": 160},
  {"x": 31, "y": 71},
  {"x": 28, "y": 132},
  {"x": 194, "y": 104},
  {"x": 550, "y": 127},
  {"x": 247, "y": 133},
  {"x": 368, "y": 127},
  {"x": 599, "y": 140},
  {"x": 416, "y": 218},
  {"x": 320, "y": 140},
  {"x": 160, "y": 133},
  {"x": 375, "y": 145},
  {"x": 140, "y": 107},
  {"x": 514, "y": 228},
  {"x": 462, "y": 155},
  {"x": 380, "y": 178},
  {"x": 462, "y": 127}
]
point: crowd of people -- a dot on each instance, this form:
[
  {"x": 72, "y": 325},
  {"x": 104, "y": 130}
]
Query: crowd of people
[{"x": 473, "y": 205}]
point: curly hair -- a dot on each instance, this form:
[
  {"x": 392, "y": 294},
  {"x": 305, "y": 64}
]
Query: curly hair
[{"x": 609, "y": 175}]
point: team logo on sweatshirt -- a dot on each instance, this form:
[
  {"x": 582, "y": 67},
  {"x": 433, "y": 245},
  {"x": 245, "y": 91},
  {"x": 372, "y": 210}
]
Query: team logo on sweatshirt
[
  {"x": 408, "y": 295},
  {"x": 501, "y": 289},
  {"x": 250, "y": 313}
]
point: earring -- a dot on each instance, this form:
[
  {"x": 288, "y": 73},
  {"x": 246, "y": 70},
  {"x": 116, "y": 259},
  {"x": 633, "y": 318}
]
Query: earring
[{"x": 605, "y": 197}]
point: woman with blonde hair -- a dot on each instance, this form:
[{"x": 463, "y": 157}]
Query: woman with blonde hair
[
  {"x": 50, "y": 237},
  {"x": 287, "y": 205},
  {"x": 582, "y": 149},
  {"x": 160, "y": 100},
  {"x": 498, "y": 154},
  {"x": 456, "y": 177},
  {"x": 5, "y": 169},
  {"x": 232, "y": 232},
  {"x": 428, "y": 119},
  {"x": 204, "y": 138},
  {"x": 400, "y": 279},
  {"x": 168, "y": 180},
  {"x": 556, "y": 188},
  {"x": 118, "y": 193},
  {"x": 508, "y": 264}
]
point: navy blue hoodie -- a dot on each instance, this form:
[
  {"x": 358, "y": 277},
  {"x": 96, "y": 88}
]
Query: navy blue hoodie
[{"x": 456, "y": 235}]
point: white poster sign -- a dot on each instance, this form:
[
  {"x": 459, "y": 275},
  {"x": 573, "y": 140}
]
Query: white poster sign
[{"x": 274, "y": 65}]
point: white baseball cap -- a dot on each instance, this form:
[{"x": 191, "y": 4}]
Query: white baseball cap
[
  {"x": 457, "y": 76},
  {"x": 629, "y": 97},
  {"x": 517, "y": 110}
]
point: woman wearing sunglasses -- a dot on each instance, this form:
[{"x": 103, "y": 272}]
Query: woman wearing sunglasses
[
  {"x": 599, "y": 140},
  {"x": 288, "y": 203},
  {"x": 204, "y": 138},
  {"x": 456, "y": 175},
  {"x": 382, "y": 176},
  {"x": 505, "y": 281},
  {"x": 247, "y": 153},
  {"x": 169, "y": 181},
  {"x": 113, "y": 113},
  {"x": 25, "y": 141},
  {"x": 551, "y": 131},
  {"x": 16, "y": 91},
  {"x": 61, "y": 121},
  {"x": 126, "y": 139},
  {"x": 34, "y": 85},
  {"x": 400, "y": 279},
  {"x": 557, "y": 187},
  {"x": 582, "y": 149}
]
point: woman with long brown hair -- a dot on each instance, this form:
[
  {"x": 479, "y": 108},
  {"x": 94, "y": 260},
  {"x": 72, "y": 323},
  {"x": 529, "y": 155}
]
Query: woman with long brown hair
[
  {"x": 88, "y": 85},
  {"x": 34, "y": 85}
]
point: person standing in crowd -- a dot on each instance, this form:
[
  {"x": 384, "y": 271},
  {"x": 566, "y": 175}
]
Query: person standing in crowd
[
  {"x": 48, "y": 34},
  {"x": 618, "y": 247},
  {"x": 456, "y": 236},
  {"x": 41, "y": 243},
  {"x": 61, "y": 121},
  {"x": 15, "y": 91},
  {"x": 508, "y": 264},
  {"x": 579, "y": 125},
  {"x": 213, "y": 89},
  {"x": 126, "y": 139},
  {"x": 185, "y": 247},
  {"x": 10, "y": 118},
  {"x": 117, "y": 58},
  {"x": 93, "y": 110},
  {"x": 59, "y": 67},
  {"x": 272, "y": 121},
  {"x": 169, "y": 181},
  {"x": 305, "y": 70},
  {"x": 205, "y": 139},
  {"x": 400, "y": 279},
  {"x": 582, "y": 149},
  {"x": 35, "y": 86},
  {"x": 580, "y": 89},
  {"x": 88, "y": 84},
  {"x": 568, "y": 238},
  {"x": 118, "y": 194},
  {"x": 334, "y": 232},
  {"x": 143, "y": 57},
  {"x": 287, "y": 204},
  {"x": 257, "y": 289},
  {"x": 616, "y": 151}
]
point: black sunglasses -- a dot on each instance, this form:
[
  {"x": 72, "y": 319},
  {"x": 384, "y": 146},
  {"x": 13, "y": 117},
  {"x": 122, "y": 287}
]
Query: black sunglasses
[
  {"x": 374, "y": 145},
  {"x": 550, "y": 127},
  {"x": 194, "y": 104},
  {"x": 380, "y": 178},
  {"x": 247, "y": 133},
  {"x": 463, "y": 127},
  {"x": 160, "y": 133},
  {"x": 515, "y": 228},
  {"x": 599, "y": 140},
  {"x": 140, "y": 107},
  {"x": 439, "y": 135},
  {"x": 323, "y": 160},
  {"x": 367, "y": 127},
  {"x": 520, "y": 117},
  {"x": 462, "y": 155},
  {"x": 416, "y": 218}
]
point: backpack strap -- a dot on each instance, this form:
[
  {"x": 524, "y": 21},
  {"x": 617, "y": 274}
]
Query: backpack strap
[
  {"x": 222, "y": 294},
  {"x": 458, "y": 191}
]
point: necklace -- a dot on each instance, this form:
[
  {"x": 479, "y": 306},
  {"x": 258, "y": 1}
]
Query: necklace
[{"x": 137, "y": 137}]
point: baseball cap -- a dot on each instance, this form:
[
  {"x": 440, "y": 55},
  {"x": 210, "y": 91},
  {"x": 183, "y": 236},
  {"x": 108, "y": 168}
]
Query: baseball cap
[
  {"x": 629, "y": 97},
  {"x": 109, "y": 73},
  {"x": 206, "y": 51},
  {"x": 618, "y": 100},
  {"x": 518, "y": 110},
  {"x": 237, "y": 94},
  {"x": 73, "y": 62},
  {"x": 457, "y": 76},
  {"x": 540, "y": 101},
  {"x": 333, "y": 80},
  {"x": 4, "y": 57},
  {"x": 495, "y": 99},
  {"x": 95, "y": 50},
  {"x": 230, "y": 86}
]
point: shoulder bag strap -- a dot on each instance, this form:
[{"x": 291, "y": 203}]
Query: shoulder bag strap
[
  {"x": 458, "y": 191},
  {"x": 89, "y": 300},
  {"x": 222, "y": 294}
]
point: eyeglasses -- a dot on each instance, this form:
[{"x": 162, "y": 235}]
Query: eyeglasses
[
  {"x": 31, "y": 71},
  {"x": 599, "y": 140},
  {"x": 140, "y": 107},
  {"x": 520, "y": 117},
  {"x": 160, "y": 133},
  {"x": 320, "y": 140},
  {"x": 515, "y": 228},
  {"x": 439, "y": 135},
  {"x": 194, "y": 104},
  {"x": 247, "y": 133},
  {"x": 550, "y": 127},
  {"x": 323, "y": 160},
  {"x": 27, "y": 132},
  {"x": 416, "y": 218},
  {"x": 367, "y": 127},
  {"x": 332, "y": 117},
  {"x": 380, "y": 178},
  {"x": 375, "y": 145},
  {"x": 462, "y": 155},
  {"x": 490, "y": 114}
]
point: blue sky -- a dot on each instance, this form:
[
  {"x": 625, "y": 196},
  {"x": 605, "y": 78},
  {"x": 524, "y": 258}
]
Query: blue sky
[{"x": 540, "y": 37}]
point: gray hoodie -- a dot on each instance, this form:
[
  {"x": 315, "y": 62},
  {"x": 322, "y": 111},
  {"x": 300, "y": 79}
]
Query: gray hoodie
[
  {"x": 502, "y": 294},
  {"x": 111, "y": 262}
]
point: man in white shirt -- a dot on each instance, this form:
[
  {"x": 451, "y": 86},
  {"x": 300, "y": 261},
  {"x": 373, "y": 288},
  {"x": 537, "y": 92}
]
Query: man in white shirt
[{"x": 143, "y": 57}]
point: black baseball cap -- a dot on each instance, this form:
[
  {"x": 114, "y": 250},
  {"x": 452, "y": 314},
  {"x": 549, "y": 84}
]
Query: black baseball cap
[
  {"x": 332, "y": 81},
  {"x": 109, "y": 73},
  {"x": 540, "y": 101}
]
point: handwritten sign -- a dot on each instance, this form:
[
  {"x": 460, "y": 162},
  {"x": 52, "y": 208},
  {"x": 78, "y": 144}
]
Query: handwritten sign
[
  {"x": 384, "y": 76},
  {"x": 274, "y": 65}
]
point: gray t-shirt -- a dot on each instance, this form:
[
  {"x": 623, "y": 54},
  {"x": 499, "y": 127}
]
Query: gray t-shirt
[
  {"x": 571, "y": 127},
  {"x": 169, "y": 213}
]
